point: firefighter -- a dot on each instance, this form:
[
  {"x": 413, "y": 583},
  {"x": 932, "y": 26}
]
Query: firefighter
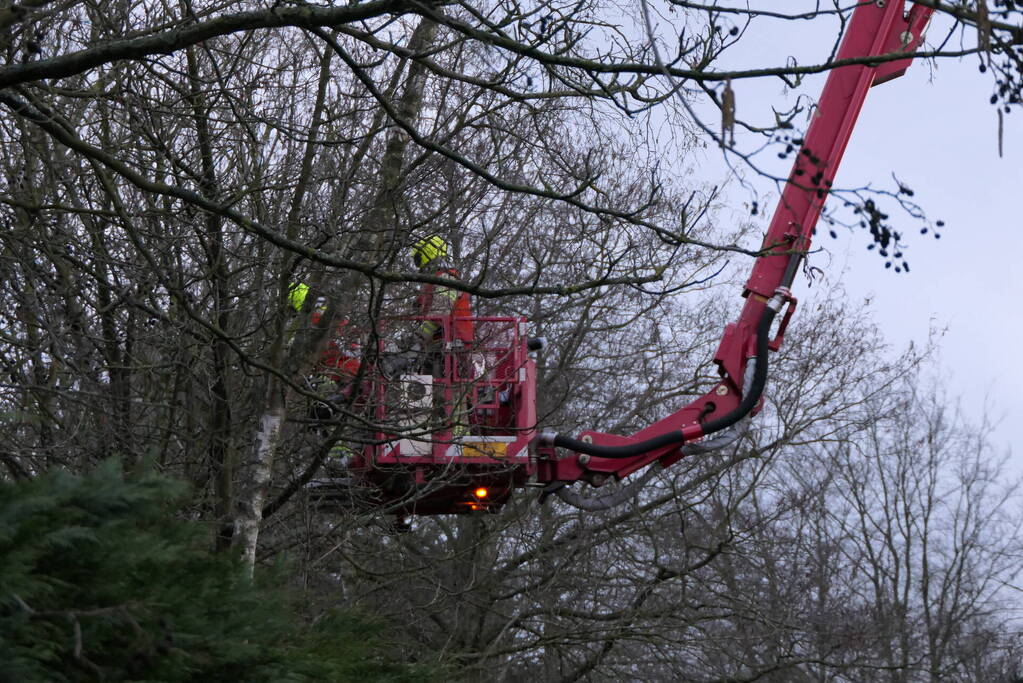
[
  {"x": 429, "y": 255},
  {"x": 333, "y": 378},
  {"x": 437, "y": 301},
  {"x": 337, "y": 363}
]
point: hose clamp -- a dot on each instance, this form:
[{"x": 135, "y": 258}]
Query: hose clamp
[
  {"x": 546, "y": 439},
  {"x": 781, "y": 295}
]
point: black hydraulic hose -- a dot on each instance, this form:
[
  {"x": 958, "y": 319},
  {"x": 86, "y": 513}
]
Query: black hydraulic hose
[
  {"x": 749, "y": 400},
  {"x": 756, "y": 388}
]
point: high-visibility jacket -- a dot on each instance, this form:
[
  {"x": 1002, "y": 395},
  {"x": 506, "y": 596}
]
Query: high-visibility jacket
[{"x": 438, "y": 300}]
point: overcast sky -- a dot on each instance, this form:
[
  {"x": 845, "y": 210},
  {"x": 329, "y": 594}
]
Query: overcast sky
[
  {"x": 935, "y": 129},
  {"x": 940, "y": 134}
]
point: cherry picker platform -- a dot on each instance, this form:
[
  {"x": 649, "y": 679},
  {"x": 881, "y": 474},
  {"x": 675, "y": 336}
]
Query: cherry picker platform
[{"x": 460, "y": 423}]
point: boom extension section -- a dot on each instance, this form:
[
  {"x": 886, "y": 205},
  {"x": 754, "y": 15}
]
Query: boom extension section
[{"x": 877, "y": 29}]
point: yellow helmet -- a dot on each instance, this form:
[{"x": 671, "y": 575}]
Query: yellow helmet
[
  {"x": 428, "y": 250},
  {"x": 297, "y": 292}
]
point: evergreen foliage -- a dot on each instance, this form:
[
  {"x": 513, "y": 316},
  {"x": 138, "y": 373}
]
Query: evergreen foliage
[{"x": 99, "y": 581}]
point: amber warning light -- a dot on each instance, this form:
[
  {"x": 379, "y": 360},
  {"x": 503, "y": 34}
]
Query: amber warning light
[{"x": 481, "y": 492}]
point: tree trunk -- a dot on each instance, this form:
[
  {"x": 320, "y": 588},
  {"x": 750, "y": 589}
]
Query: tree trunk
[{"x": 257, "y": 474}]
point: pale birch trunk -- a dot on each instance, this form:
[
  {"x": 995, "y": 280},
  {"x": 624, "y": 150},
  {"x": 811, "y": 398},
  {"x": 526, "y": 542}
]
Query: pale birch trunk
[
  {"x": 249, "y": 514},
  {"x": 258, "y": 473}
]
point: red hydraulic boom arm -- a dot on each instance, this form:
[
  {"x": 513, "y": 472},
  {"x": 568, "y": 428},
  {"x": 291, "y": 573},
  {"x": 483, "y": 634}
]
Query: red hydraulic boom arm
[
  {"x": 877, "y": 29},
  {"x": 477, "y": 403}
]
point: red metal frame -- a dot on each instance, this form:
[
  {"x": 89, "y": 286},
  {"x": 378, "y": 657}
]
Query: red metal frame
[
  {"x": 876, "y": 28},
  {"x": 475, "y": 435}
]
